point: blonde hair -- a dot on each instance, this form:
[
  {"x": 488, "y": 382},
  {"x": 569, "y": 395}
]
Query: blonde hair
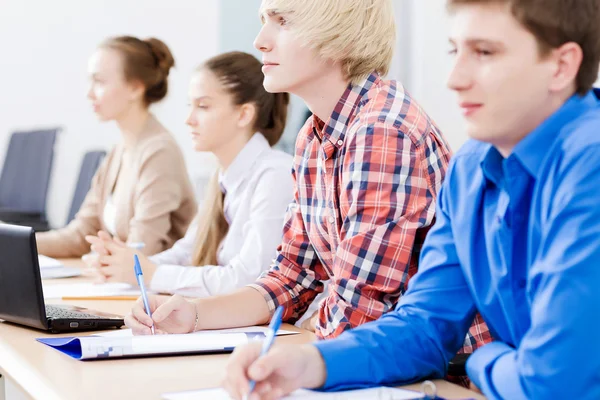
[
  {"x": 212, "y": 225},
  {"x": 242, "y": 77},
  {"x": 359, "y": 34}
]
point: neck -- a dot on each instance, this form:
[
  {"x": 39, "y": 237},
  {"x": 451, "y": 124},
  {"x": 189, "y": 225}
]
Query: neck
[
  {"x": 322, "y": 95},
  {"x": 230, "y": 150},
  {"x": 132, "y": 123},
  {"x": 506, "y": 146}
]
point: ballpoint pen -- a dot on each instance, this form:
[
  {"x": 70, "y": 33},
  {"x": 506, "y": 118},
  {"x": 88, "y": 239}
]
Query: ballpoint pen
[
  {"x": 140, "y": 280},
  {"x": 268, "y": 342}
]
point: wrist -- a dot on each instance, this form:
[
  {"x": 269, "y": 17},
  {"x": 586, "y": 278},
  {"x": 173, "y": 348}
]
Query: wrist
[{"x": 316, "y": 369}]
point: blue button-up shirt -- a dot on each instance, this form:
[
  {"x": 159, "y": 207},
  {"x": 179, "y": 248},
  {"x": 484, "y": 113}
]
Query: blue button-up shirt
[{"x": 517, "y": 239}]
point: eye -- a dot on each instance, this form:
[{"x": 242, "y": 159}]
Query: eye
[
  {"x": 452, "y": 52},
  {"x": 483, "y": 52}
]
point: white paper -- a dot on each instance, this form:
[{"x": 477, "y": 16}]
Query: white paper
[
  {"x": 381, "y": 393},
  {"x": 89, "y": 290},
  {"x": 47, "y": 262},
  {"x": 248, "y": 329},
  {"x": 108, "y": 347},
  {"x": 59, "y": 272}
]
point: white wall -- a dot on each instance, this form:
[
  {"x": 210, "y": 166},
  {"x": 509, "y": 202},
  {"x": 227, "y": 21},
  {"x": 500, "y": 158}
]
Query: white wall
[
  {"x": 428, "y": 66},
  {"x": 43, "y": 73}
]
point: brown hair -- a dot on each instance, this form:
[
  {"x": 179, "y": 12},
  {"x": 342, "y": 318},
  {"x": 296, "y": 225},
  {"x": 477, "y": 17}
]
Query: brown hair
[
  {"x": 557, "y": 22},
  {"x": 242, "y": 77},
  {"x": 147, "y": 61}
]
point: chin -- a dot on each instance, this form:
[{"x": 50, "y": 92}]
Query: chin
[{"x": 273, "y": 86}]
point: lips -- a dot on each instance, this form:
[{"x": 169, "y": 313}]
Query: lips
[
  {"x": 267, "y": 65},
  {"x": 469, "y": 109}
]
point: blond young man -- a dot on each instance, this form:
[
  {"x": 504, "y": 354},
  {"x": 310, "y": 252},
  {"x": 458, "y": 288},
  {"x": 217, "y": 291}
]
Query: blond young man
[
  {"x": 517, "y": 228},
  {"x": 367, "y": 170}
]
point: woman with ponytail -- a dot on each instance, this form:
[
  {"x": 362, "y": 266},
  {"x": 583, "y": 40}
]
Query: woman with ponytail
[
  {"x": 239, "y": 226},
  {"x": 133, "y": 196}
]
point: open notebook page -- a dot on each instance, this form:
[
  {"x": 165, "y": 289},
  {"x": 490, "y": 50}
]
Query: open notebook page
[
  {"x": 380, "y": 393},
  {"x": 89, "y": 290}
]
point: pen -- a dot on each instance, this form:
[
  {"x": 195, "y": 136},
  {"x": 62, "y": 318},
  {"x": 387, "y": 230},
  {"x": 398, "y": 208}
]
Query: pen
[
  {"x": 140, "y": 279},
  {"x": 268, "y": 342}
]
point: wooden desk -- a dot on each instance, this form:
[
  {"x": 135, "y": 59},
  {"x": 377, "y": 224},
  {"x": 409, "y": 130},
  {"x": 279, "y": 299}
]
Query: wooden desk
[{"x": 44, "y": 373}]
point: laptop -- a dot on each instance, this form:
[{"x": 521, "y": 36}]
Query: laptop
[{"x": 21, "y": 293}]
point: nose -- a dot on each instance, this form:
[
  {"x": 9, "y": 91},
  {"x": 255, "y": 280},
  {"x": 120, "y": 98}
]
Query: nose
[
  {"x": 190, "y": 120},
  {"x": 90, "y": 92},
  {"x": 461, "y": 75},
  {"x": 262, "y": 41}
]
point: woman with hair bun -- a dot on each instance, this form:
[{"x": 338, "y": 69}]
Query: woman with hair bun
[{"x": 141, "y": 193}]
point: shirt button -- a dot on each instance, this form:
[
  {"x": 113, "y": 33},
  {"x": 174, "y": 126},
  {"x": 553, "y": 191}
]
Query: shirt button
[
  {"x": 340, "y": 142},
  {"x": 522, "y": 283},
  {"x": 331, "y": 220}
]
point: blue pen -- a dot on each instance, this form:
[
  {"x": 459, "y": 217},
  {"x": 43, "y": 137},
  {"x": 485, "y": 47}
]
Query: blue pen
[
  {"x": 268, "y": 342},
  {"x": 140, "y": 280}
]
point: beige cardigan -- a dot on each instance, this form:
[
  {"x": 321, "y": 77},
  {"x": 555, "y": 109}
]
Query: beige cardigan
[{"x": 153, "y": 197}]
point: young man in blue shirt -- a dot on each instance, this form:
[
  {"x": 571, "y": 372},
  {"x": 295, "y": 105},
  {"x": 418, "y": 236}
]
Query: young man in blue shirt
[{"x": 517, "y": 235}]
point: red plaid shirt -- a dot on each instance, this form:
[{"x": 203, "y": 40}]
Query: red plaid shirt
[{"x": 365, "y": 188}]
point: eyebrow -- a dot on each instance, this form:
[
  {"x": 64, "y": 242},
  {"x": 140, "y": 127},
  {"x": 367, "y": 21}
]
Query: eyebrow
[
  {"x": 200, "y": 98},
  {"x": 271, "y": 14},
  {"x": 475, "y": 41}
]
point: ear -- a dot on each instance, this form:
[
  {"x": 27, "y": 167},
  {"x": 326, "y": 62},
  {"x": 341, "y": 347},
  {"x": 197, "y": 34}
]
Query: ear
[
  {"x": 567, "y": 58},
  {"x": 137, "y": 90},
  {"x": 247, "y": 113}
]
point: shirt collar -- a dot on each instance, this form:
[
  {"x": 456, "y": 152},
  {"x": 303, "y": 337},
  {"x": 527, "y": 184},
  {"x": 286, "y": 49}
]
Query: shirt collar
[
  {"x": 242, "y": 163},
  {"x": 335, "y": 128},
  {"x": 532, "y": 150}
]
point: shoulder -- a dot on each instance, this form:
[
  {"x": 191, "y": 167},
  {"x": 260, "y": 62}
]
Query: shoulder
[{"x": 388, "y": 108}]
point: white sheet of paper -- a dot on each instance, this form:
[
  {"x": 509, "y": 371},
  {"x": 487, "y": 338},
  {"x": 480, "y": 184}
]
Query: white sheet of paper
[
  {"x": 47, "y": 262},
  {"x": 100, "y": 347},
  {"x": 59, "y": 272},
  {"x": 249, "y": 329},
  {"x": 89, "y": 290},
  {"x": 380, "y": 393}
]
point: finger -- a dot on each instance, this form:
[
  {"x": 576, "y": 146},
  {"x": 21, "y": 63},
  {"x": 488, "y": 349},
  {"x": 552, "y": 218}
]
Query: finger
[
  {"x": 119, "y": 241},
  {"x": 105, "y": 236},
  {"x": 108, "y": 271},
  {"x": 136, "y": 327},
  {"x": 99, "y": 248},
  {"x": 91, "y": 239},
  {"x": 264, "y": 366},
  {"x": 139, "y": 313},
  {"x": 107, "y": 260},
  {"x": 237, "y": 366},
  {"x": 175, "y": 303}
]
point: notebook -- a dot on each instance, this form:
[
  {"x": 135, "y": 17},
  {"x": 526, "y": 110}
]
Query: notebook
[
  {"x": 51, "y": 268},
  {"x": 122, "y": 343},
  {"x": 379, "y": 393},
  {"x": 90, "y": 290}
]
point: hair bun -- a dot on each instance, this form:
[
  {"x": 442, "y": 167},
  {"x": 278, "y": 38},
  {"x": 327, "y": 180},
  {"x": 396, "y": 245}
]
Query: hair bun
[{"x": 162, "y": 55}]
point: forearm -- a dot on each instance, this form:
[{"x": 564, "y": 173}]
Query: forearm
[
  {"x": 245, "y": 307},
  {"x": 63, "y": 243}
]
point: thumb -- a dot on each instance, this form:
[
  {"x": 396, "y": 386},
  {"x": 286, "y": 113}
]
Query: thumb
[
  {"x": 168, "y": 307},
  {"x": 266, "y": 365}
]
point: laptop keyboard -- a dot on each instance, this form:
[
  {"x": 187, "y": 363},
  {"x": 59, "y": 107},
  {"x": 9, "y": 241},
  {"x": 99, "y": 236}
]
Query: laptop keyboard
[{"x": 53, "y": 312}]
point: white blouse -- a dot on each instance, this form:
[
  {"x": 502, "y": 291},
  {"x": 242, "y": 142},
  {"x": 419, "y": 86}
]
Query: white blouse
[
  {"x": 258, "y": 187},
  {"x": 110, "y": 215}
]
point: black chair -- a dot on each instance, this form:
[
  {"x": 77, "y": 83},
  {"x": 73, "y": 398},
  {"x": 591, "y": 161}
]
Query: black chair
[
  {"x": 25, "y": 178},
  {"x": 89, "y": 165}
]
